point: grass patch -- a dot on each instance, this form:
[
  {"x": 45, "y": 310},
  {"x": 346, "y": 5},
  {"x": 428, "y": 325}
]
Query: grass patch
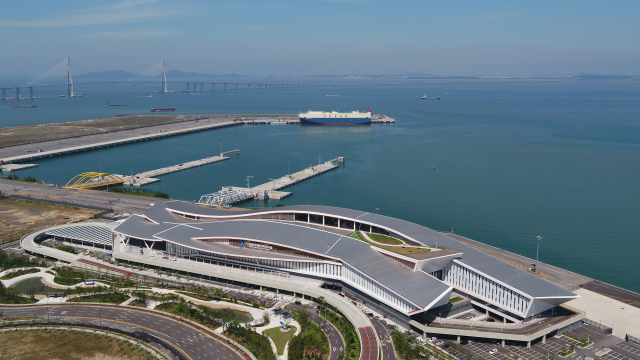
[
  {"x": 138, "y": 303},
  {"x": 455, "y": 299},
  {"x": 17, "y": 273},
  {"x": 280, "y": 338},
  {"x": 140, "y": 192},
  {"x": 401, "y": 250},
  {"x": 27, "y": 179},
  {"x": 109, "y": 298},
  {"x": 386, "y": 239},
  {"x": 67, "y": 344}
]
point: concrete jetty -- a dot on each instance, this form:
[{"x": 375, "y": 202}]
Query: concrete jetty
[
  {"x": 273, "y": 186},
  {"x": 16, "y": 167},
  {"x": 149, "y": 177},
  {"x": 45, "y": 153}
]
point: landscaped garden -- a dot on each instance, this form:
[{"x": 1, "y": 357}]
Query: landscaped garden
[
  {"x": 15, "y": 274},
  {"x": 384, "y": 239},
  {"x": 280, "y": 338},
  {"x": 311, "y": 343}
]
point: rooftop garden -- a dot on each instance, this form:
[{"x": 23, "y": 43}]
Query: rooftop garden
[{"x": 396, "y": 245}]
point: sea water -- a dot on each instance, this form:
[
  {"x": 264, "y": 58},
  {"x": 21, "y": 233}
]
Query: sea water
[{"x": 494, "y": 161}]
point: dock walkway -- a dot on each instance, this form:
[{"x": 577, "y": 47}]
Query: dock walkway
[
  {"x": 273, "y": 186},
  {"x": 149, "y": 177}
]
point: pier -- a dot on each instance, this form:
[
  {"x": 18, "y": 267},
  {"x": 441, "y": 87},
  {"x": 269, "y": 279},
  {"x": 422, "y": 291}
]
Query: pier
[
  {"x": 116, "y": 141},
  {"x": 16, "y": 167},
  {"x": 273, "y": 186},
  {"x": 149, "y": 177}
]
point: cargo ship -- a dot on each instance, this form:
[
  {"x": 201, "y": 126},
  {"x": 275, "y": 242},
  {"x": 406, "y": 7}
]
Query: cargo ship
[
  {"x": 426, "y": 98},
  {"x": 22, "y": 106},
  {"x": 110, "y": 104},
  {"x": 335, "y": 118},
  {"x": 163, "y": 109}
]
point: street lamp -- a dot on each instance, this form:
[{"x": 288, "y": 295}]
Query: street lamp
[{"x": 537, "y": 252}]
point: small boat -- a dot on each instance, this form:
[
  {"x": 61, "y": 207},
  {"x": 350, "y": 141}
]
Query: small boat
[
  {"x": 163, "y": 109},
  {"x": 426, "y": 98},
  {"x": 110, "y": 104}
]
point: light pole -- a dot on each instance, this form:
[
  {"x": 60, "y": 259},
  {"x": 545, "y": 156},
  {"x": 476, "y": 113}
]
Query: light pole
[
  {"x": 377, "y": 211},
  {"x": 538, "y": 251}
]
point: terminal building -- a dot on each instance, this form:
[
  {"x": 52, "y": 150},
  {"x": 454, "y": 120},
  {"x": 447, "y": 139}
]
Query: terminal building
[{"x": 401, "y": 269}]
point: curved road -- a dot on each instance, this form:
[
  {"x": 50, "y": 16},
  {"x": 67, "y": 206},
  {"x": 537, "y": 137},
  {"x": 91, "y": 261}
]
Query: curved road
[
  {"x": 189, "y": 342},
  {"x": 333, "y": 335}
]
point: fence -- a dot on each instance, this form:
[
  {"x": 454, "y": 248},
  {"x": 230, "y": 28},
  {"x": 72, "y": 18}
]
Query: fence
[
  {"x": 633, "y": 339},
  {"x": 599, "y": 325}
]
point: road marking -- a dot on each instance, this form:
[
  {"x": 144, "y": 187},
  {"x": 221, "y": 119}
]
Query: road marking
[
  {"x": 185, "y": 354},
  {"x": 103, "y": 319}
]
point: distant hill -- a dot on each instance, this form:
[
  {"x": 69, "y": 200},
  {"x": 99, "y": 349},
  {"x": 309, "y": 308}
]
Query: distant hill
[{"x": 109, "y": 74}]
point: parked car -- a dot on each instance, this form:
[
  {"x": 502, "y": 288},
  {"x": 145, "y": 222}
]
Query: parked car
[
  {"x": 440, "y": 343},
  {"x": 493, "y": 351},
  {"x": 172, "y": 259},
  {"x": 432, "y": 339}
]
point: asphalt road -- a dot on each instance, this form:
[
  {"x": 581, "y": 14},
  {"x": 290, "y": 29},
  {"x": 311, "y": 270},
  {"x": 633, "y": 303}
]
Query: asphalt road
[
  {"x": 158, "y": 330},
  {"x": 386, "y": 344},
  {"x": 333, "y": 335}
]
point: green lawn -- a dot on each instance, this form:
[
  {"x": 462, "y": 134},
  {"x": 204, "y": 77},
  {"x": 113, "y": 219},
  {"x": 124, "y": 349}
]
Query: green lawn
[
  {"x": 111, "y": 298},
  {"x": 385, "y": 239},
  {"x": 138, "y": 303},
  {"x": 455, "y": 299},
  {"x": 280, "y": 338},
  {"x": 402, "y": 250}
]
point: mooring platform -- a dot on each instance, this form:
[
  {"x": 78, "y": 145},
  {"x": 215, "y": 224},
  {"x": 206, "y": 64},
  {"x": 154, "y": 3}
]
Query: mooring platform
[
  {"x": 273, "y": 186},
  {"x": 16, "y": 167},
  {"x": 149, "y": 177}
]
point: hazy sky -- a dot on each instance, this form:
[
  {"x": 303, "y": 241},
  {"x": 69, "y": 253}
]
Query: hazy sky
[{"x": 322, "y": 37}]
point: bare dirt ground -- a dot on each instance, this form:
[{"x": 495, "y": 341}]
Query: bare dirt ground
[
  {"x": 19, "y": 217},
  {"x": 65, "y": 344},
  {"x": 46, "y": 132}
]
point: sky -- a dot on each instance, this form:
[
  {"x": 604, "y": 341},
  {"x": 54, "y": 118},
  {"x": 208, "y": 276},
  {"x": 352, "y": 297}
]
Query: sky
[{"x": 306, "y": 37}]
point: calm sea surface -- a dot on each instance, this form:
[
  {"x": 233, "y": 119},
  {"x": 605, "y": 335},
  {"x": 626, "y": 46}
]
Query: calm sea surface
[{"x": 498, "y": 163}]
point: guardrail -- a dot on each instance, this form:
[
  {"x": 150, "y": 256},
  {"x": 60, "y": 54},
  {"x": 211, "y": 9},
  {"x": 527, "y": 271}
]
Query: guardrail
[
  {"x": 633, "y": 339},
  {"x": 598, "y": 325}
]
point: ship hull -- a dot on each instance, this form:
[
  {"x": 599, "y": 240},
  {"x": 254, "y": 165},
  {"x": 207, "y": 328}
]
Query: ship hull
[{"x": 334, "y": 121}]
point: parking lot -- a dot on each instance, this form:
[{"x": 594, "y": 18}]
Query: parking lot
[{"x": 481, "y": 348}]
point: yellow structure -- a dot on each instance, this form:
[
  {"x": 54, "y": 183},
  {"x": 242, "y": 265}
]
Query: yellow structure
[{"x": 93, "y": 179}]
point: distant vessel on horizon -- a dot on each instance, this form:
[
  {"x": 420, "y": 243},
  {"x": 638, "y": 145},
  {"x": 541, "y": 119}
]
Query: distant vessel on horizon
[
  {"x": 335, "y": 118},
  {"x": 163, "y": 109},
  {"x": 426, "y": 98},
  {"x": 110, "y": 104},
  {"x": 21, "y": 106}
]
